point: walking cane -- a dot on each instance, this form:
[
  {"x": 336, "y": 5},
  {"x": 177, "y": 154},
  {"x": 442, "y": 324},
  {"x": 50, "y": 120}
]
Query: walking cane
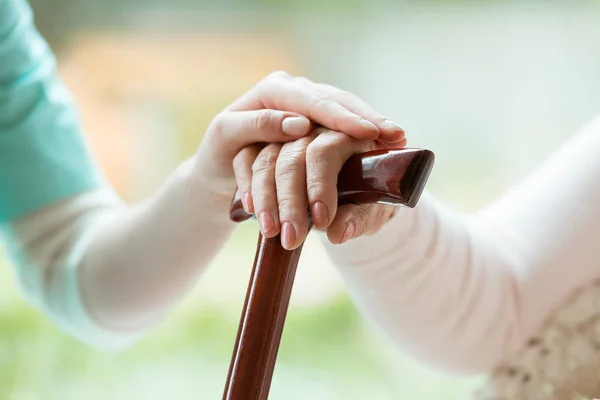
[{"x": 394, "y": 177}]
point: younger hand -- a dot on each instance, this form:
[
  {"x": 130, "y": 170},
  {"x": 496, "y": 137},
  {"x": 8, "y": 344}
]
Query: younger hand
[{"x": 280, "y": 109}]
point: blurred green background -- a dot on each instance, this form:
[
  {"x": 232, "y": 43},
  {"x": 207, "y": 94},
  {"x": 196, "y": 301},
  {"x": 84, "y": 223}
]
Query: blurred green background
[{"x": 492, "y": 87}]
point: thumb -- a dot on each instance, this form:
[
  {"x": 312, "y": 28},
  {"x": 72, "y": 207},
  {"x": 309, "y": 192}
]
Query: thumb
[
  {"x": 349, "y": 223},
  {"x": 231, "y": 131},
  {"x": 352, "y": 221}
]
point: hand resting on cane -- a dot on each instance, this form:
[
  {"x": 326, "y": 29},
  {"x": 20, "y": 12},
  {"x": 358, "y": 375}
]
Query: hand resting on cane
[{"x": 287, "y": 179}]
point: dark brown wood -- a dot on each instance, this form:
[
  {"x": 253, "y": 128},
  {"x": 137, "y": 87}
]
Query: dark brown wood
[
  {"x": 385, "y": 176},
  {"x": 395, "y": 177},
  {"x": 263, "y": 318}
]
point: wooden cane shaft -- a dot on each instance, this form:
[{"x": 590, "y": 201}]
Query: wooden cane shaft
[{"x": 388, "y": 176}]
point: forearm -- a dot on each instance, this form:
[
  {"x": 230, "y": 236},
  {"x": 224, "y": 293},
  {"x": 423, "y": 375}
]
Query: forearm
[
  {"x": 466, "y": 292},
  {"x": 436, "y": 284},
  {"x": 143, "y": 259},
  {"x": 105, "y": 272}
]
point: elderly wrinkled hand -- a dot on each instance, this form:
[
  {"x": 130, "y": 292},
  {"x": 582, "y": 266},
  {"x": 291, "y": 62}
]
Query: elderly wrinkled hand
[{"x": 279, "y": 182}]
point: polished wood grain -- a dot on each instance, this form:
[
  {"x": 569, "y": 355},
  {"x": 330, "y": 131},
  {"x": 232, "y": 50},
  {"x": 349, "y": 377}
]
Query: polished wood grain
[{"x": 395, "y": 177}]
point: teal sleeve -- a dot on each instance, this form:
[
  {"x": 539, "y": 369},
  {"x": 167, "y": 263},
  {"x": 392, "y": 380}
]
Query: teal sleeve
[{"x": 43, "y": 155}]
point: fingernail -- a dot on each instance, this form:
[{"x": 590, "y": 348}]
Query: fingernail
[
  {"x": 288, "y": 234},
  {"x": 320, "y": 214},
  {"x": 248, "y": 203},
  {"x": 295, "y": 126},
  {"x": 392, "y": 126},
  {"x": 369, "y": 125},
  {"x": 348, "y": 232},
  {"x": 266, "y": 222}
]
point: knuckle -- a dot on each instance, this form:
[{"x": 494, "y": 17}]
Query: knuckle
[
  {"x": 298, "y": 146},
  {"x": 272, "y": 81},
  {"x": 262, "y": 120},
  {"x": 302, "y": 143},
  {"x": 320, "y": 100},
  {"x": 291, "y": 205},
  {"x": 292, "y": 157},
  {"x": 217, "y": 124},
  {"x": 265, "y": 161},
  {"x": 286, "y": 202},
  {"x": 326, "y": 145},
  {"x": 345, "y": 95},
  {"x": 359, "y": 215},
  {"x": 319, "y": 149},
  {"x": 288, "y": 164},
  {"x": 285, "y": 208},
  {"x": 279, "y": 75},
  {"x": 316, "y": 188}
]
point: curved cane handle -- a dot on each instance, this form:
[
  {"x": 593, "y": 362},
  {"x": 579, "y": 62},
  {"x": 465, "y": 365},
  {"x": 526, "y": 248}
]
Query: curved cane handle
[
  {"x": 395, "y": 177},
  {"x": 384, "y": 176}
]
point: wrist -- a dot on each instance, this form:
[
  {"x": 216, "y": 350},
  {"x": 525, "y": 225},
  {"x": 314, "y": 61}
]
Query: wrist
[{"x": 206, "y": 190}]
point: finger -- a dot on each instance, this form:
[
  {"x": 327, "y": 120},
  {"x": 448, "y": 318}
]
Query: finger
[
  {"x": 264, "y": 192},
  {"x": 353, "y": 221},
  {"x": 394, "y": 146},
  {"x": 291, "y": 192},
  {"x": 280, "y": 91},
  {"x": 325, "y": 157},
  {"x": 390, "y": 131},
  {"x": 349, "y": 223},
  {"x": 235, "y": 130},
  {"x": 242, "y": 169}
]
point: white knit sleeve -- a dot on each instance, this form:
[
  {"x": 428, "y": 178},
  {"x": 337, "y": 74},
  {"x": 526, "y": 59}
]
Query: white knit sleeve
[{"x": 463, "y": 292}]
